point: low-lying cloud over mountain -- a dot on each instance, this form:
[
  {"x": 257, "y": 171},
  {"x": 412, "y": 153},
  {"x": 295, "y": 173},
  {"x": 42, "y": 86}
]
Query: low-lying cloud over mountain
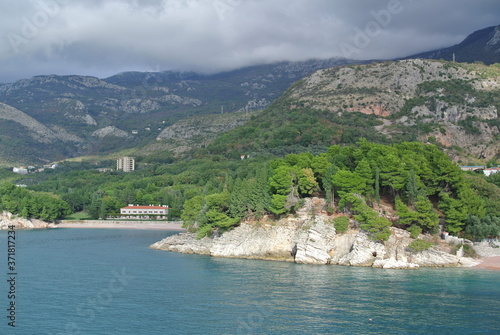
[{"x": 102, "y": 38}]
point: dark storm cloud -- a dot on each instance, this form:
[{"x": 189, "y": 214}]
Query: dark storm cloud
[{"x": 101, "y": 38}]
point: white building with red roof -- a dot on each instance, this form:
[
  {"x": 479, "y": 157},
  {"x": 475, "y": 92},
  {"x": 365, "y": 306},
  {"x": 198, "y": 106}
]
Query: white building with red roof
[
  {"x": 490, "y": 171},
  {"x": 145, "y": 212}
]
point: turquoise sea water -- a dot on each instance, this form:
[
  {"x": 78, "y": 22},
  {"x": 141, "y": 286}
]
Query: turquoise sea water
[{"x": 88, "y": 281}]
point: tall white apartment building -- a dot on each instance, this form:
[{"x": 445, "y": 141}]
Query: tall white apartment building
[{"x": 127, "y": 164}]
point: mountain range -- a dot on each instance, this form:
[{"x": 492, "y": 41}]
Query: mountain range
[{"x": 49, "y": 118}]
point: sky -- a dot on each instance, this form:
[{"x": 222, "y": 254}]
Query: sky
[{"x": 105, "y": 37}]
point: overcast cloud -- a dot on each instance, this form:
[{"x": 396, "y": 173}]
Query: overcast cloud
[{"x": 104, "y": 37}]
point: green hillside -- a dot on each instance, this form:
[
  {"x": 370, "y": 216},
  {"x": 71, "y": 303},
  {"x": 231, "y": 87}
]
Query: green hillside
[{"x": 372, "y": 140}]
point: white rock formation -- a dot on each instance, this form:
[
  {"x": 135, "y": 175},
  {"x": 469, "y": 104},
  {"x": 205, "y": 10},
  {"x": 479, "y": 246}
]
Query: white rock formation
[
  {"x": 310, "y": 237},
  {"x": 110, "y": 131},
  {"x": 185, "y": 243},
  {"x": 8, "y": 219}
]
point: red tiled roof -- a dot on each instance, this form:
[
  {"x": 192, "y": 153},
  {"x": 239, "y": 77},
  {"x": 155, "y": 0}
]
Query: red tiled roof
[{"x": 144, "y": 207}]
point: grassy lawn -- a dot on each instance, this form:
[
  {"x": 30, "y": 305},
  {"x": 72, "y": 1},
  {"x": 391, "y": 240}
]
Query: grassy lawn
[{"x": 77, "y": 216}]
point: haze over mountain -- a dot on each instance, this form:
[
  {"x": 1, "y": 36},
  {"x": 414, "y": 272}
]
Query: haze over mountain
[{"x": 101, "y": 38}]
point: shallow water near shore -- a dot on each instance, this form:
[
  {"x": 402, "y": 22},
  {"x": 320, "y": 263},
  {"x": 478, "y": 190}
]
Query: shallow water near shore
[{"x": 91, "y": 281}]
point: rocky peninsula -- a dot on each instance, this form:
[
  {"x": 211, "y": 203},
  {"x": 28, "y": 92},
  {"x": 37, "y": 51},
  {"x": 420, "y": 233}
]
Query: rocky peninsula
[{"x": 309, "y": 237}]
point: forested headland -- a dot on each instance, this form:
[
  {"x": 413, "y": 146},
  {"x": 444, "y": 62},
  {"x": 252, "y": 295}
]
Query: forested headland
[{"x": 409, "y": 185}]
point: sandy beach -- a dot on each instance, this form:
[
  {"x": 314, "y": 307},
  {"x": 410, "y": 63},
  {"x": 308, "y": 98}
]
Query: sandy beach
[
  {"x": 123, "y": 225},
  {"x": 491, "y": 263}
]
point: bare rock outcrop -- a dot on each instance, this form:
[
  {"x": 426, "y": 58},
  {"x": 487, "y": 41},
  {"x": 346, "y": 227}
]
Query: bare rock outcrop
[
  {"x": 309, "y": 237},
  {"x": 272, "y": 243},
  {"x": 363, "y": 251},
  {"x": 8, "y": 219},
  {"x": 110, "y": 131},
  {"x": 315, "y": 244},
  {"x": 185, "y": 243}
]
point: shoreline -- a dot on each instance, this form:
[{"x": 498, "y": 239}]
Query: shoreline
[
  {"x": 122, "y": 225},
  {"x": 490, "y": 263}
]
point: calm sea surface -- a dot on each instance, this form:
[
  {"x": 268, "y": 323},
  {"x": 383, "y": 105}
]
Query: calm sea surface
[{"x": 89, "y": 281}]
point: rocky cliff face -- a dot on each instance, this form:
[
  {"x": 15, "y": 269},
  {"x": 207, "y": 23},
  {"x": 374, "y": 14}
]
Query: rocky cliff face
[
  {"x": 455, "y": 105},
  {"x": 309, "y": 237},
  {"x": 8, "y": 219}
]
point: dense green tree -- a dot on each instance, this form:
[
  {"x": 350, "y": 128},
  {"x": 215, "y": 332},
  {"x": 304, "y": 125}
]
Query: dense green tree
[
  {"x": 329, "y": 187},
  {"x": 349, "y": 202},
  {"x": 455, "y": 212},
  {"x": 412, "y": 188},
  {"x": 192, "y": 211},
  {"x": 473, "y": 203},
  {"x": 307, "y": 182},
  {"x": 320, "y": 165},
  {"x": 364, "y": 170},
  {"x": 239, "y": 199},
  {"x": 341, "y": 224},
  {"x": 378, "y": 227},
  {"x": 283, "y": 180},
  {"x": 377, "y": 185},
  {"x": 348, "y": 182},
  {"x": 488, "y": 192},
  {"x": 253, "y": 187},
  {"x": 279, "y": 204},
  {"x": 423, "y": 218},
  {"x": 480, "y": 229}
]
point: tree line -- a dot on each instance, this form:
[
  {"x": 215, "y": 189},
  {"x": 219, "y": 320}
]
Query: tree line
[
  {"x": 24, "y": 203},
  {"x": 419, "y": 182}
]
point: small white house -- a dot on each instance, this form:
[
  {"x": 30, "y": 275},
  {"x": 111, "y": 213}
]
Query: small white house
[
  {"x": 20, "y": 170},
  {"x": 489, "y": 171}
]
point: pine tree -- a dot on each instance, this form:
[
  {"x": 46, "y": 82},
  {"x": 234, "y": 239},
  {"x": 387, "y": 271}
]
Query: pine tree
[
  {"x": 102, "y": 210},
  {"x": 412, "y": 188},
  {"x": 306, "y": 182},
  {"x": 348, "y": 182},
  {"x": 455, "y": 212},
  {"x": 327, "y": 182},
  {"x": 428, "y": 219},
  {"x": 238, "y": 202}
]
